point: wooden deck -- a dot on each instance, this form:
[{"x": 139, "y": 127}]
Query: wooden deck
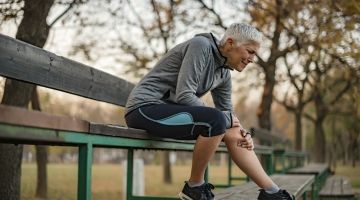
[
  {"x": 296, "y": 185},
  {"x": 337, "y": 187}
]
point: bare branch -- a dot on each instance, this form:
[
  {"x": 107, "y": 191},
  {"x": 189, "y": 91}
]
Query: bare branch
[
  {"x": 219, "y": 20},
  {"x": 63, "y": 13},
  {"x": 292, "y": 78},
  {"x": 283, "y": 103},
  {"x": 163, "y": 32},
  {"x": 341, "y": 93},
  {"x": 261, "y": 62},
  {"x": 309, "y": 117},
  {"x": 142, "y": 27}
]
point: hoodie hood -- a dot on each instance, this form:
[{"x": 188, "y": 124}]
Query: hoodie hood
[{"x": 215, "y": 47}]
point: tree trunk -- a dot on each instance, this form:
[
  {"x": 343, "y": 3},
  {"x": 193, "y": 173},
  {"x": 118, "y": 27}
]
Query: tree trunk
[
  {"x": 167, "y": 167},
  {"x": 264, "y": 109},
  {"x": 41, "y": 156},
  {"x": 34, "y": 30},
  {"x": 10, "y": 171},
  {"x": 298, "y": 131},
  {"x": 320, "y": 143},
  {"x": 15, "y": 94},
  {"x": 41, "y": 161}
]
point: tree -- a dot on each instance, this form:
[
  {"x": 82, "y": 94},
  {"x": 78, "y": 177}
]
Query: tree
[
  {"x": 335, "y": 50},
  {"x": 272, "y": 17},
  {"x": 34, "y": 30},
  {"x": 295, "y": 100},
  {"x": 326, "y": 76},
  {"x": 41, "y": 156},
  {"x": 296, "y": 37}
]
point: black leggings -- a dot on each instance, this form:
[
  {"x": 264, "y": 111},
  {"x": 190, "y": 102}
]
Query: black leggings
[{"x": 178, "y": 121}]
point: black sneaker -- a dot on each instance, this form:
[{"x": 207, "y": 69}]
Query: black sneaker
[
  {"x": 202, "y": 192},
  {"x": 280, "y": 195}
]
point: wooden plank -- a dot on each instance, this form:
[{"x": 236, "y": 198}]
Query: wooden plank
[
  {"x": 16, "y": 134},
  {"x": 327, "y": 189},
  {"x": 126, "y": 132},
  {"x": 337, "y": 186},
  {"x": 22, "y": 61},
  {"x": 295, "y": 184},
  {"x": 119, "y": 131},
  {"x": 23, "y": 117},
  {"x": 312, "y": 168},
  {"x": 346, "y": 187}
]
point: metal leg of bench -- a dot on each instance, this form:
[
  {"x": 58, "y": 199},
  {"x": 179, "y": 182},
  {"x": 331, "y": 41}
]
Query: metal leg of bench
[
  {"x": 206, "y": 175},
  {"x": 283, "y": 167},
  {"x": 269, "y": 163},
  {"x": 313, "y": 191},
  {"x": 129, "y": 177},
  {"x": 84, "y": 171},
  {"x": 304, "y": 195},
  {"x": 229, "y": 170}
]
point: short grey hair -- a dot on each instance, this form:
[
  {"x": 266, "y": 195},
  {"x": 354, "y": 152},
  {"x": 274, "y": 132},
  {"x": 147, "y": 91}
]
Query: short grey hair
[{"x": 242, "y": 33}]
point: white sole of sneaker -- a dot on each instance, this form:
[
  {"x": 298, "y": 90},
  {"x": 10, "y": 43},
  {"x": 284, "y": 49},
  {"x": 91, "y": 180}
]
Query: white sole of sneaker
[{"x": 184, "y": 196}]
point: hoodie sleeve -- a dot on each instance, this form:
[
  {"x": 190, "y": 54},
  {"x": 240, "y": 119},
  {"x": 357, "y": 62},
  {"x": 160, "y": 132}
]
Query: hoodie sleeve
[
  {"x": 193, "y": 64},
  {"x": 222, "y": 99}
]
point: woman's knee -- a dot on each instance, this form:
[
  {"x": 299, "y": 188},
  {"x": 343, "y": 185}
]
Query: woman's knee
[
  {"x": 219, "y": 121},
  {"x": 215, "y": 121},
  {"x": 233, "y": 133}
]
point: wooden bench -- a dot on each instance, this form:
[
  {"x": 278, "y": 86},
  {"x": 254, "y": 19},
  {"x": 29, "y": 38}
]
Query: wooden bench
[
  {"x": 319, "y": 170},
  {"x": 337, "y": 187},
  {"x": 24, "y": 62},
  {"x": 298, "y": 186}
]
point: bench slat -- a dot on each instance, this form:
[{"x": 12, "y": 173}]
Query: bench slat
[
  {"x": 294, "y": 184},
  {"x": 21, "y": 116},
  {"x": 337, "y": 186},
  {"x": 30, "y": 118},
  {"x": 22, "y": 61}
]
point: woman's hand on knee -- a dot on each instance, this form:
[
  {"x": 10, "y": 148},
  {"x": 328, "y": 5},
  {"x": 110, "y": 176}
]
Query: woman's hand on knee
[
  {"x": 246, "y": 142},
  {"x": 235, "y": 122}
]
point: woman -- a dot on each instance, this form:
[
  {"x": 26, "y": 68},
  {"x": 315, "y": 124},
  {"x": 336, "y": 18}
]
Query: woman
[{"x": 166, "y": 103}]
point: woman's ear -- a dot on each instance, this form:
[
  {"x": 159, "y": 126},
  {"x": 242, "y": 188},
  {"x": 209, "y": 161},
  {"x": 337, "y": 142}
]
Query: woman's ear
[{"x": 230, "y": 41}]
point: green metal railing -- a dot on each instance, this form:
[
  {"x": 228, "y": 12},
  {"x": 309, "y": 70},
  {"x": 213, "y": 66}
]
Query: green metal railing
[
  {"x": 87, "y": 142},
  {"x": 288, "y": 160}
]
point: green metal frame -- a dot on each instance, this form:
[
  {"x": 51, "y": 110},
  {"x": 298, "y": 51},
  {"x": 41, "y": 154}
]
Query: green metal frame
[
  {"x": 268, "y": 155},
  {"x": 84, "y": 171},
  {"x": 319, "y": 183},
  {"x": 288, "y": 160},
  {"x": 17, "y": 134}
]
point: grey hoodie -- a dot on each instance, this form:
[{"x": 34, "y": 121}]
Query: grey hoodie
[{"x": 184, "y": 74}]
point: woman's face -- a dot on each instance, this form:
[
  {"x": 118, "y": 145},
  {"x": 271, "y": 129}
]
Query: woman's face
[{"x": 240, "y": 55}]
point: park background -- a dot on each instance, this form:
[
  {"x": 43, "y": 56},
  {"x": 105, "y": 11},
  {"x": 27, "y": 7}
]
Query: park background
[{"x": 303, "y": 86}]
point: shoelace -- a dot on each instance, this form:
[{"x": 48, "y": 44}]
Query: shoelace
[
  {"x": 208, "y": 187},
  {"x": 286, "y": 195}
]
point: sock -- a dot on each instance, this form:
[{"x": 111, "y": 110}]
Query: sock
[
  {"x": 273, "y": 189},
  {"x": 195, "y": 184}
]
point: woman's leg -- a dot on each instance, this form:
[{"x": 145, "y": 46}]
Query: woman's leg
[
  {"x": 204, "y": 149},
  {"x": 246, "y": 159}
]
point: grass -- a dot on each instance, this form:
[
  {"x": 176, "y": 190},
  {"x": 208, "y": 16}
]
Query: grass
[{"x": 107, "y": 180}]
